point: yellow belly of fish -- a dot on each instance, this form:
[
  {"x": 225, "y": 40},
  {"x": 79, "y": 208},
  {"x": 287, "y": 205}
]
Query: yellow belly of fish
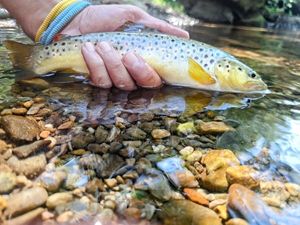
[{"x": 72, "y": 61}]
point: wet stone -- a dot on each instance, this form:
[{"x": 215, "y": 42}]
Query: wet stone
[
  {"x": 26, "y": 218},
  {"x": 30, "y": 167},
  {"x": 156, "y": 183},
  {"x": 57, "y": 199},
  {"x": 3, "y": 146},
  {"x": 19, "y": 111},
  {"x": 52, "y": 180},
  {"x": 34, "y": 109},
  {"x": 236, "y": 221},
  {"x": 25, "y": 150},
  {"x": 98, "y": 148},
  {"x": 20, "y": 128},
  {"x": 8, "y": 181},
  {"x": 185, "y": 212},
  {"x": 82, "y": 139},
  {"x": 134, "y": 133},
  {"x": 212, "y": 127},
  {"x": 196, "y": 196},
  {"x": 244, "y": 175},
  {"x": 95, "y": 186},
  {"x": 113, "y": 134},
  {"x": 274, "y": 193},
  {"x": 216, "y": 163},
  {"x": 101, "y": 134},
  {"x": 160, "y": 133},
  {"x": 25, "y": 201}
]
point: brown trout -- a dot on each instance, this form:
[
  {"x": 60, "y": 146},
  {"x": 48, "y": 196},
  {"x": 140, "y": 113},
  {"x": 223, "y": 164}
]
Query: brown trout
[{"x": 180, "y": 62}]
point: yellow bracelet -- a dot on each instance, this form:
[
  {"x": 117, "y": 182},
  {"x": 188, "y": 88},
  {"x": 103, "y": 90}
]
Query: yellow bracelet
[{"x": 58, "y": 8}]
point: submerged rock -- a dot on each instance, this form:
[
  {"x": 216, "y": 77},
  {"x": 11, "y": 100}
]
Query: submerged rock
[
  {"x": 212, "y": 127},
  {"x": 82, "y": 140},
  {"x": 25, "y": 218},
  {"x": 156, "y": 183},
  {"x": 25, "y": 201},
  {"x": 160, "y": 133},
  {"x": 8, "y": 181},
  {"x": 25, "y": 150},
  {"x": 177, "y": 173},
  {"x": 274, "y": 193},
  {"x": 59, "y": 199},
  {"x": 20, "y": 128},
  {"x": 244, "y": 175},
  {"x": 52, "y": 180},
  {"x": 216, "y": 163},
  {"x": 30, "y": 167},
  {"x": 196, "y": 196},
  {"x": 135, "y": 133},
  {"x": 185, "y": 212}
]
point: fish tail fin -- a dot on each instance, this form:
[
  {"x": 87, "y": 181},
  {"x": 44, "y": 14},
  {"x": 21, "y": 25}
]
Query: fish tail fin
[{"x": 20, "y": 54}]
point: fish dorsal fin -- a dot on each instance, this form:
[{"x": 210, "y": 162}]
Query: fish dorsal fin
[{"x": 197, "y": 72}]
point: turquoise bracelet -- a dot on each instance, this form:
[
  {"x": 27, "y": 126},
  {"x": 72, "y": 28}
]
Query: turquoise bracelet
[{"x": 62, "y": 20}]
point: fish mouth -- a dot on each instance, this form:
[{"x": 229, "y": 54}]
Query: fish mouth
[{"x": 256, "y": 86}]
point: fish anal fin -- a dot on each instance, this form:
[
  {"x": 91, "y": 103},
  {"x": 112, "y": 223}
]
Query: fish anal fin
[{"x": 197, "y": 72}]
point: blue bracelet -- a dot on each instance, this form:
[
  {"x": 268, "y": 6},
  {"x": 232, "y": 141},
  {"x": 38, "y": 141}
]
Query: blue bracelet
[{"x": 62, "y": 20}]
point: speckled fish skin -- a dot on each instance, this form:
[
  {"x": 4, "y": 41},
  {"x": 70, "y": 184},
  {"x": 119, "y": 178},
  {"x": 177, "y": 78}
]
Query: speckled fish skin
[{"x": 178, "y": 61}]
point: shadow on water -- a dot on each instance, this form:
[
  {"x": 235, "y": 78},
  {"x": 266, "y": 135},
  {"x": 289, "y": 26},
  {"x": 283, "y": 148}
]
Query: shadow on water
[{"x": 271, "y": 121}]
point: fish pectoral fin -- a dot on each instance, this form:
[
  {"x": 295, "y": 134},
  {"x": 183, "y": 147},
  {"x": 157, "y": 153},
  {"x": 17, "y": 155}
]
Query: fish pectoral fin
[{"x": 197, "y": 72}]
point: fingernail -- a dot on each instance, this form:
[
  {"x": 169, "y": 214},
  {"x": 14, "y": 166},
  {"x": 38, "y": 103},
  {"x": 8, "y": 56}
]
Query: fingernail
[
  {"x": 104, "y": 46},
  {"x": 89, "y": 47},
  {"x": 132, "y": 59}
]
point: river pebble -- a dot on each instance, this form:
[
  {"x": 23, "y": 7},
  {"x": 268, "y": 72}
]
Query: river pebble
[
  {"x": 160, "y": 133},
  {"x": 27, "y": 132},
  {"x": 25, "y": 150},
  {"x": 30, "y": 167},
  {"x": 57, "y": 199},
  {"x": 8, "y": 181},
  {"x": 25, "y": 201}
]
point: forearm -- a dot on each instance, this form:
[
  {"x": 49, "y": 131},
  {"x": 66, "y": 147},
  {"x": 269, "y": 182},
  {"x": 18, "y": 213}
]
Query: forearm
[{"x": 29, "y": 13}]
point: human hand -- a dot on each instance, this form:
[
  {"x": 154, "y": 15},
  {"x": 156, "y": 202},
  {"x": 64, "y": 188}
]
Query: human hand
[{"x": 106, "y": 66}]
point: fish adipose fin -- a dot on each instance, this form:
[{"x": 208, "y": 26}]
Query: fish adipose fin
[
  {"x": 197, "y": 72},
  {"x": 20, "y": 55}
]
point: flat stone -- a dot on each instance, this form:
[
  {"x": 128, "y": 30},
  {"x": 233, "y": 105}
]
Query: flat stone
[
  {"x": 30, "y": 167},
  {"x": 160, "y": 133},
  {"x": 35, "y": 108},
  {"x": 19, "y": 111},
  {"x": 244, "y": 175},
  {"x": 8, "y": 181},
  {"x": 135, "y": 133},
  {"x": 185, "y": 212},
  {"x": 25, "y": 150},
  {"x": 26, "y": 200},
  {"x": 3, "y": 146},
  {"x": 82, "y": 140},
  {"x": 196, "y": 196},
  {"x": 59, "y": 199},
  {"x": 186, "y": 151},
  {"x": 20, "y": 128},
  {"x": 212, "y": 127},
  {"x": 111, "y": 182},
  {"x": 66, "y": 125},
  {"x": 26, "y": 218}
]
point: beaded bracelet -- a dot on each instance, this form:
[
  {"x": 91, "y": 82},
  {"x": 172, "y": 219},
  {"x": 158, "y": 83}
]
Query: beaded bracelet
[{"x": 62, "y": 19}]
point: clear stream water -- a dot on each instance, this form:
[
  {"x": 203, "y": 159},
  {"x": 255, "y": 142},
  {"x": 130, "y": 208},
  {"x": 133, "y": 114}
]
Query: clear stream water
[{"x": 271, "y": 121}]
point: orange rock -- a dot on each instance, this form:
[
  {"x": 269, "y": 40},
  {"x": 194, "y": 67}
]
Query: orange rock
[
  {"x": 44, "y": 134},
  {"x": 212, "y": 127},
  {"x": 244, "y": 175},
  {"x": 195, "y": 196}
]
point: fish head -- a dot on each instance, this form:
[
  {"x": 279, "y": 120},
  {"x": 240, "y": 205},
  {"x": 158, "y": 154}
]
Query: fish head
[{"x": 236, "y": 76}]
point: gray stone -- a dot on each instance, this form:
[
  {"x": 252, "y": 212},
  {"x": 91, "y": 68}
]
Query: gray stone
[{"x": 25, "y": 150}]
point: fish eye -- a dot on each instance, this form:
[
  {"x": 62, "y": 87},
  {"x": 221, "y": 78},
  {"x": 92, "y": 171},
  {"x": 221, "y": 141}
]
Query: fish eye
[{"x": 252, "y": 74}]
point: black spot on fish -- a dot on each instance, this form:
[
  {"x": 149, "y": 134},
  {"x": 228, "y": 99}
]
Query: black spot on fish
[
  {"x": 219, "y": 65},
  {"x": 63, "y": 49},
  {"x": 212, "y": 61},
  {"x": 46, "y": 48},
  {"x": 55, "y": 44},
  {"x": 156, "y": 43},
  {"x": 183, "y": 43},
  {"x": 201, "y": 49},
  {"x": 48, "y": 53},
  {"x": 156, "y": 35},
  {"x": 63, "y": 43},
  {"x": 175, "y": 57},
  {"x": 227, "y": 66},
  {"x": 164, "y": 42},
  {"x": 205, "y": 56},
  {"x": 196, "y": 57},
  {"x": 75, "y": 39},
  {"x": 240, "y": 69},
  {"x": 193, "y": 45},
  {"x": 228, "y": 71},
  {"x": 205, "y": 65},
  {"x": 172, "y": 40}
]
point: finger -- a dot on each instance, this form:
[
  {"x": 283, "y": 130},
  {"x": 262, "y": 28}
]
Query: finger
[
  {"x": 140, "y": 71},
  {"x": 140, "y": 16},
  {"x": 95, "y": 64},
  {"x": 116, "y": 70}
]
